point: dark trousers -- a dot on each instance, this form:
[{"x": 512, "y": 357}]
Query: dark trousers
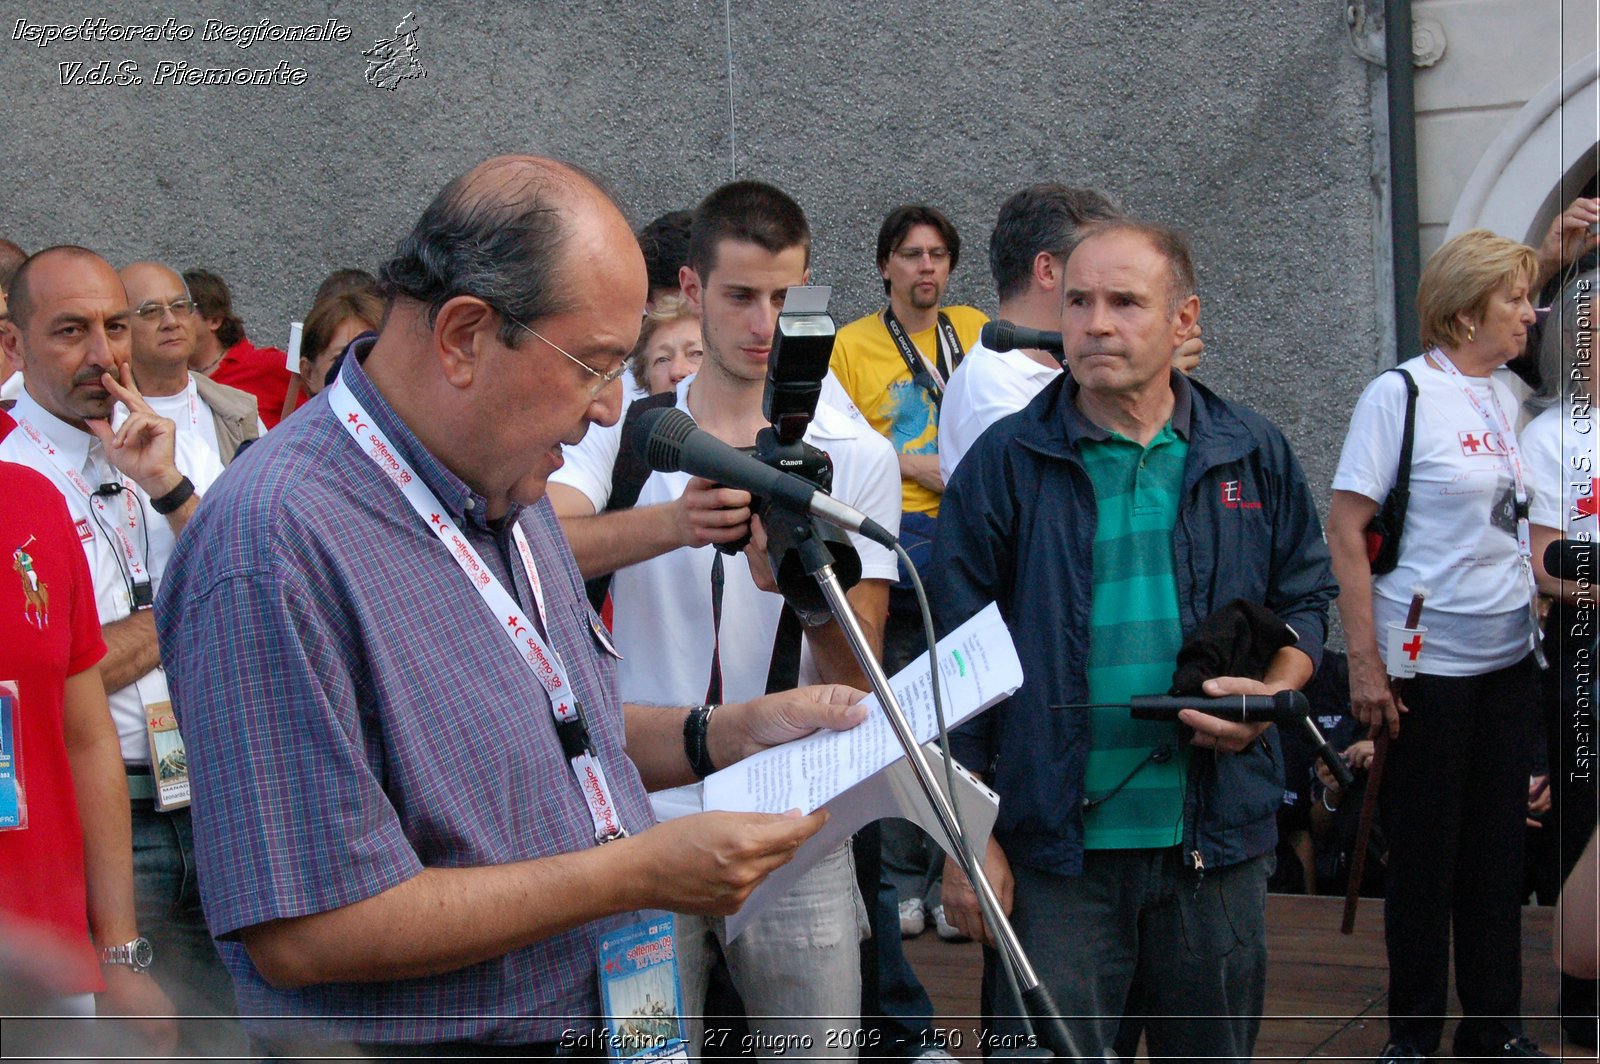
[
  {"x": 1454, "y": 798},
  {"x": 166, "y": 893},
  {"x": 1140, "y": 941},
  {"x": 894, "y": 1007},
  {"x": 1569, "y": 728}
]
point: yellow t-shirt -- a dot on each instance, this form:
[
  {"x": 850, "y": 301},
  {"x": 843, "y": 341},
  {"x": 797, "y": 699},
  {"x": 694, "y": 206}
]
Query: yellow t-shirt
[{"x": 869, "y": 366}]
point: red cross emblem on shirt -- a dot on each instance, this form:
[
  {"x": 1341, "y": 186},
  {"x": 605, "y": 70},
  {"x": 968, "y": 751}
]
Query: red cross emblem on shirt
[
  {"x": 1470, "y": 442},
  {"x": 1413, "y": 647}
]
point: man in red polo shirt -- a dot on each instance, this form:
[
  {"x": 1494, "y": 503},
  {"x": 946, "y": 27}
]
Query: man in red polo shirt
[
  {"x": 65, "y": 840},
  {"x": 223, "y": 352}
]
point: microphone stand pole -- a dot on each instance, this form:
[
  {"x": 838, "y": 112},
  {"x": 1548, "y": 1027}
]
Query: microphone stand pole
[{"x": 1035, "y": 995}]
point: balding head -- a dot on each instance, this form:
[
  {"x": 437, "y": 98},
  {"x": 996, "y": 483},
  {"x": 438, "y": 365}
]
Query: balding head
[
  {"x": 164, "y": 327},
  {"x": 515, "y": 302},
  {"x": 500, "y": 232},
  {"x": 69, "y": 326}
]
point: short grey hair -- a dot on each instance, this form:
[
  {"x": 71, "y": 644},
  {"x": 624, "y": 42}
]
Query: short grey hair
[{"x": 504, "y": 247}]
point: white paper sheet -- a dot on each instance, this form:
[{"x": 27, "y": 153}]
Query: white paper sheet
[
  {"x": 862, "y": 775},
  {"x": 978, "y": 667}
]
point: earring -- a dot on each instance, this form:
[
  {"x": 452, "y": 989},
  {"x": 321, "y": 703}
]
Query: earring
[{"x": 1472, "y": 333}]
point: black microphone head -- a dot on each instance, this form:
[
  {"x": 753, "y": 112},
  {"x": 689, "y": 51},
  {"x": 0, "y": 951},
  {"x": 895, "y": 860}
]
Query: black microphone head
[
  {"x": 1292, "y": 701},
  {"x": 662, "y": 434},
  {"x": 997, "y": 335},
  {"x": 1570, "y": 559},
  {"x": 108, "y": 489}
]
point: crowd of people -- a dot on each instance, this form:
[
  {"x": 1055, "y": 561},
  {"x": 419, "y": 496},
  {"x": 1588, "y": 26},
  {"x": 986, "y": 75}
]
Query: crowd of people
[{"x": 352, "y": 697}]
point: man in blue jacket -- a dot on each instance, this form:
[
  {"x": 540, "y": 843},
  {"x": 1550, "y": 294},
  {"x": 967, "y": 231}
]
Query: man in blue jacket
[{"x": 1110, "y": 517}]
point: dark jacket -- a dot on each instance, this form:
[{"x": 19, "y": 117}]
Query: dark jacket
[{"x": 1017, "y": 527}]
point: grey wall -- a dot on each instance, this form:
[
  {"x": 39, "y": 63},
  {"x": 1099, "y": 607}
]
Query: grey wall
[{"x": 1247, "y": 124}]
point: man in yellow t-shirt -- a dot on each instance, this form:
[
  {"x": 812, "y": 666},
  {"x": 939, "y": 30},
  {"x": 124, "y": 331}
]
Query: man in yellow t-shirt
[
  {"x": 874, "y": 357},
  {"x": 894, "y": 365}
]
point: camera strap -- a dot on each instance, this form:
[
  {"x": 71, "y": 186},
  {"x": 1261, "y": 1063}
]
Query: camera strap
[
  {"x": 929, "y": 378},
  {"x": 783, "y": 668},
  {"x": 714, "y": 684}
]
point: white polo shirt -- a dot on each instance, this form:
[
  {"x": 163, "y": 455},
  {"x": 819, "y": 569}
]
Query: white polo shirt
[
  {"x": 96, "y": 521},
  {"x": 986, "y": 387},
  {"x": 661, "y": 608}
]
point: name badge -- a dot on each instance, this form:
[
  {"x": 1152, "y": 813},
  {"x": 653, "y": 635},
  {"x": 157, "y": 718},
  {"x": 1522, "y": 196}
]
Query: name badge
[
  {"x": 639, "y": 991},
  {"x": 169, "y": 763},
  {"x": 13, "y": 800}
]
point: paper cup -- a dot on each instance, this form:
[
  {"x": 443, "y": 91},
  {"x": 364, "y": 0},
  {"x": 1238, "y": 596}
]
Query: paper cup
[{"x": 1404, "y": 649}]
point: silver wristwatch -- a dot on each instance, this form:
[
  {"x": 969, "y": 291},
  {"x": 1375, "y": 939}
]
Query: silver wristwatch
[{"x": 136, "y": 954}]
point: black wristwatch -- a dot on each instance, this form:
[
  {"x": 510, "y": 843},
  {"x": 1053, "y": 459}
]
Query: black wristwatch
[
  {"x": 174, "y": 498},
  {"x": 136, "y": 954}
]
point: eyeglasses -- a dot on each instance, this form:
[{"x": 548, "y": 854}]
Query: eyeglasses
[
  {"x": 602, "y": 380},
  {"x": 152, "y": 311},
  {"x": 937, "y": 255}
]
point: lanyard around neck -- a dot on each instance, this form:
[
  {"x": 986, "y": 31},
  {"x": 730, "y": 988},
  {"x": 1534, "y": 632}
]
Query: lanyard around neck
[
  {"x": 540, "y": 658},
  {"x": 138, "y": 574},
  {"x": 1500, "y": 425}
]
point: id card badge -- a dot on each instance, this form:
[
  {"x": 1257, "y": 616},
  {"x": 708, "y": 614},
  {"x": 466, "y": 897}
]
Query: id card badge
[
  {"x": 169, "y": 763},
  {"x": 639, "y": 991},
  {"x": 13, "y": 798}
]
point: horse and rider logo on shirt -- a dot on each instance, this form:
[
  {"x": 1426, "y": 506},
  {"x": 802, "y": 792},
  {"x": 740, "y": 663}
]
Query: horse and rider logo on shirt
[{"x": 35, "y": 592}]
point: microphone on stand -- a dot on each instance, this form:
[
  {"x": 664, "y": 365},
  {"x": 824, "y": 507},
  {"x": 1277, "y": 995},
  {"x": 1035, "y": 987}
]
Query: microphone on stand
[
  {"x": 1004, "y": 336},
  {"x": 670, "y": 442}
]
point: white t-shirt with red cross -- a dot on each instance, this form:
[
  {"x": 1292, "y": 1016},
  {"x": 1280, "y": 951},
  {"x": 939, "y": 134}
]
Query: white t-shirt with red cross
[{"x": 1460, "y": 535}]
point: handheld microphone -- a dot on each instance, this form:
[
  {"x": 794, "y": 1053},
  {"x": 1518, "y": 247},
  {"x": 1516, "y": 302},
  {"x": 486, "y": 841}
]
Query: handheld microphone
[
  {"x": 1285, "y": 707},
  {"x": 1570, "y": 559},
  {"x": 670, "y": 442},
  {"x": 1004, "y": 336}
]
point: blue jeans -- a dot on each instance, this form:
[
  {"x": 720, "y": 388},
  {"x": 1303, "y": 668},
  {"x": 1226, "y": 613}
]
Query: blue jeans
[
  {"x": 1138, "y": 940},
  {"x": 798, "y": 967},
  {"x": 187, "y": 965}
]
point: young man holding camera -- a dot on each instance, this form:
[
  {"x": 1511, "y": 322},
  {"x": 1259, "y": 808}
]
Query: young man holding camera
[{"x": 693, "y": 623}]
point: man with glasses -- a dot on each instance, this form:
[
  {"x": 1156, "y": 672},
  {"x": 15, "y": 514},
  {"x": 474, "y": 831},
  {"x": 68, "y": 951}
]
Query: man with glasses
[
  {"x": 895, "y": 363},
  {"x": 130, "y": 492},
  {"x": 695, "y": 625},
  {"x": 419, "y": 805},
  {"x": 164, "y": 335}
]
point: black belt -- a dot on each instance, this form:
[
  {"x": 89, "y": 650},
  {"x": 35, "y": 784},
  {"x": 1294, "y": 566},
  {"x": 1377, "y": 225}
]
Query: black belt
[{"x": 141, "y": 784}]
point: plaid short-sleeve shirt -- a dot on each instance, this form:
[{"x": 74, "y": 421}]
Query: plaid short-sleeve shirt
[{"x": 354, "y": 715}]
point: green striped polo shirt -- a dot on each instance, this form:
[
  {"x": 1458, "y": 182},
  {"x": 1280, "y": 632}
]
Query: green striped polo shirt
[{"x": 1134, "y": 636}]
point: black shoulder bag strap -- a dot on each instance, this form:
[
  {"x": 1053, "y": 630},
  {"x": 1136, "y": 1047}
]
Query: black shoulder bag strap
[
  {"x": 628, "y": 474},
  {"x": 1384, "y": 530},
  {"x": 931, "y": 382},
  {"x": 1408, "y": 437}
]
